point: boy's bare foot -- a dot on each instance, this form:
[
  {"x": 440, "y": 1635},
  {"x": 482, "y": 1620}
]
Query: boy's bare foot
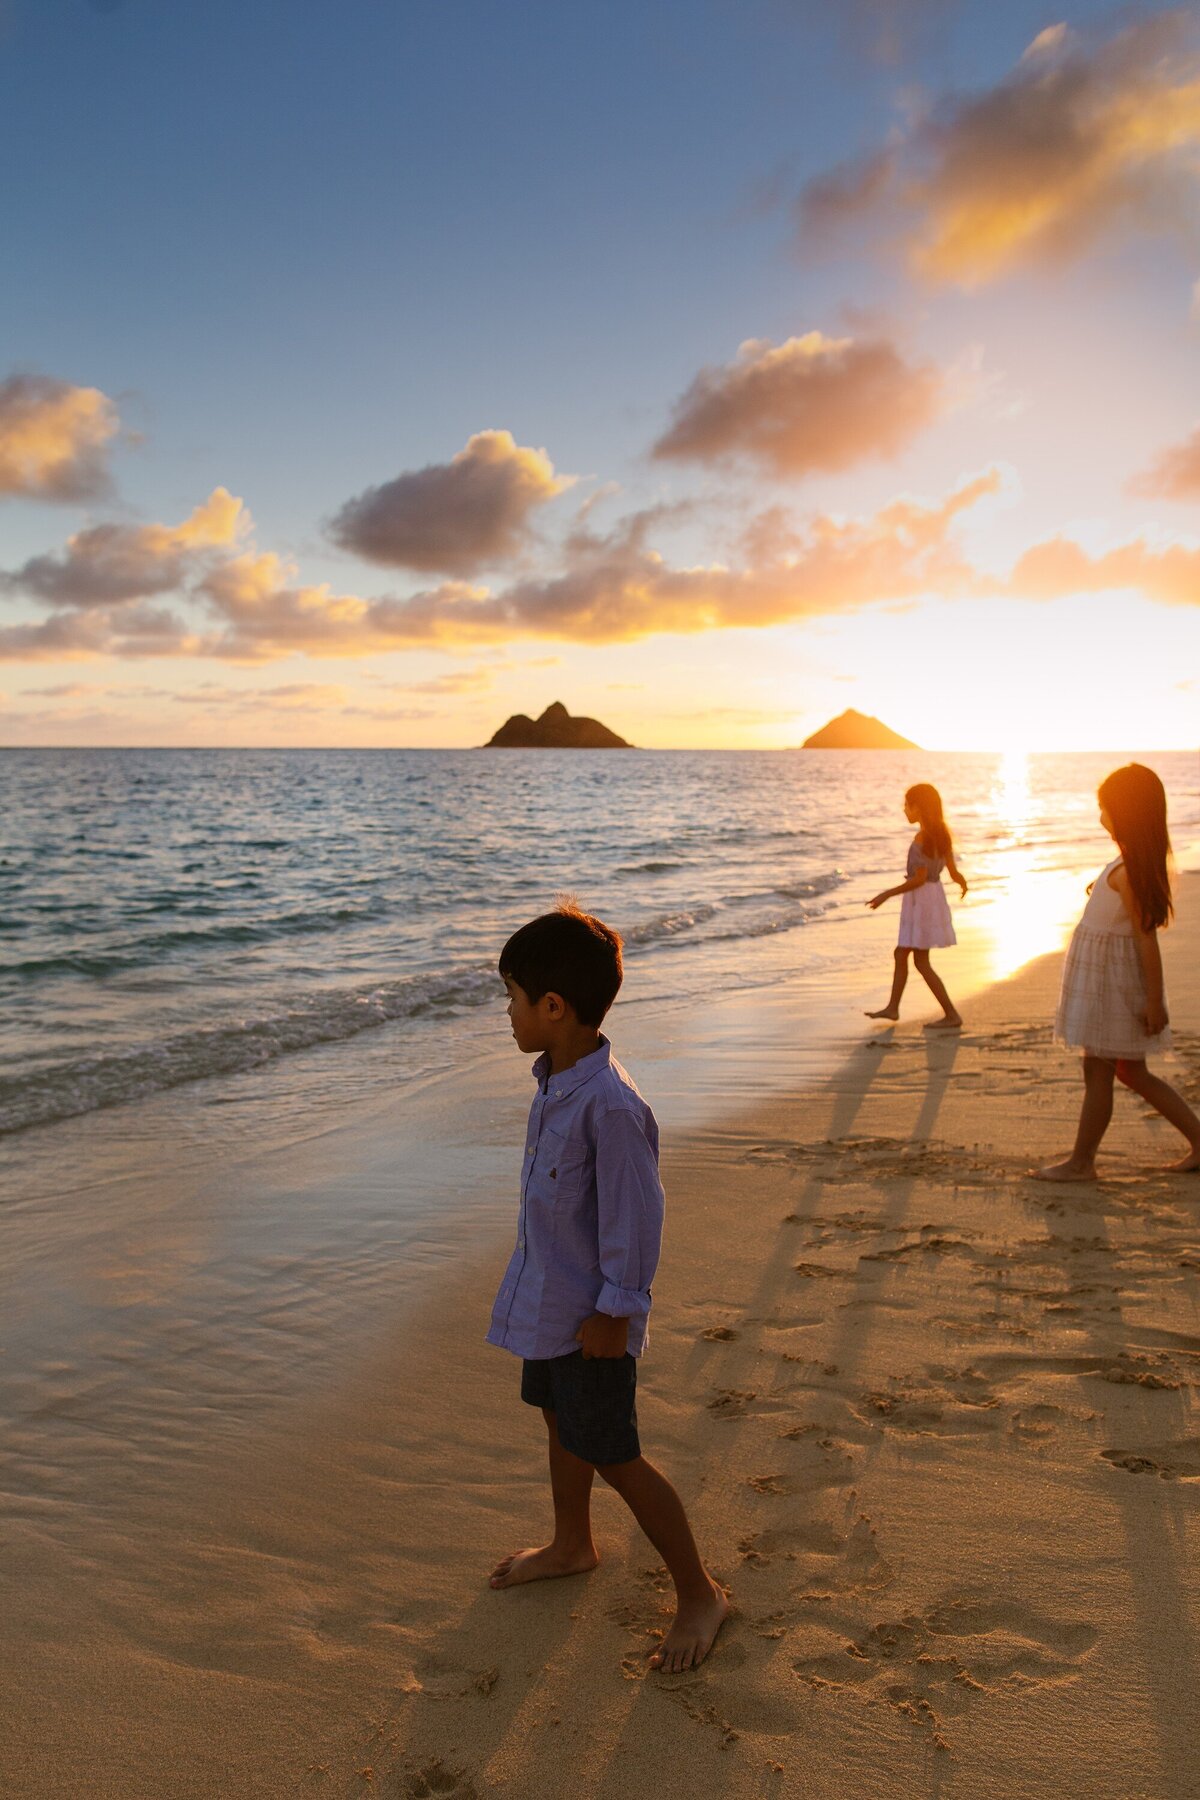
[
  {"x": 1186, "y": 1165},
  {"x": 885, "y": 1012},
  {"x": 542, "y": 1565},
  {"x": 692, "y": 1633},
  {"x": 952, "y": 1022},
  {"x": 1065, "y": 1171}
]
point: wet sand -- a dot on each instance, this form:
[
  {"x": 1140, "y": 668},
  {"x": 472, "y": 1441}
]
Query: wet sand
[{"x": 936, "y": 1425}]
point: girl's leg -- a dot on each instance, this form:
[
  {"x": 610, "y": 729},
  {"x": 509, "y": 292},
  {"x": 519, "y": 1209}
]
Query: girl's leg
[
  {"x": 1173, "y": 1107},
  {"x": 899, "y": 977},
  {"x": 937, "y": 988},
  {"x": 571, "y": 1551},
  {"x": 1098, "y": 1074}
]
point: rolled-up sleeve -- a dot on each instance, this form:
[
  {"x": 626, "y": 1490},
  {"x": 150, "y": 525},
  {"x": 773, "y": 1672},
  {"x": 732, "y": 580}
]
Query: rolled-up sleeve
[{"x": 629, "y": 1198}]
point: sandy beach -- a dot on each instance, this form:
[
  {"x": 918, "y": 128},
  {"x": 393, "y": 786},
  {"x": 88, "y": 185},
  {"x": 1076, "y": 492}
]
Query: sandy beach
[{"x": 935, "y": 1424}]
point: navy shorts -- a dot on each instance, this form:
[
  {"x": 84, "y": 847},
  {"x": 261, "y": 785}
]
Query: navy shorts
[{"x": 593, "y": 1401}]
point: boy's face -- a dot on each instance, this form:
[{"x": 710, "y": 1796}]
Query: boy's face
[{"x": 533, "y": 1021}]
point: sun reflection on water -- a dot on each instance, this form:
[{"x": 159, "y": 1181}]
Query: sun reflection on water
[{"x": 1023, "y": 907}]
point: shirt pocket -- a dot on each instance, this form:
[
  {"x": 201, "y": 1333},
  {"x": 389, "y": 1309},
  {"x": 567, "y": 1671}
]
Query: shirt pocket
[{"x": 561, "y": 1167}]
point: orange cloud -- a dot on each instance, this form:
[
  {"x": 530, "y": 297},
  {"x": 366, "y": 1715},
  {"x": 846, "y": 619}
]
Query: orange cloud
[
  {"x": 73, "y": 636},
  {"x": 1058, "y": 567},
  {"x": 1175, "y": 474},
  {"x": 810, "y": 404},
  {"x": 452, "y": 518},
  {"x": 265, "y": 614},
  {"x": 1077, "y": 143},
  {"x": 611, "y": 588},
  {"x": 110, "y": 564},
  {"x": 291, "y": 697},
  {"x": 54, "y": 438}
]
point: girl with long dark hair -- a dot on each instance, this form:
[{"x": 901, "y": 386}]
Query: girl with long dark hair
[{"x": 1112, "y": 1004}]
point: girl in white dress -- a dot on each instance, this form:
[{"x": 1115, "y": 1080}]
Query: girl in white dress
[
  {"x": 1112, "y": 1005},
  {"x": 925, "y": 922}
]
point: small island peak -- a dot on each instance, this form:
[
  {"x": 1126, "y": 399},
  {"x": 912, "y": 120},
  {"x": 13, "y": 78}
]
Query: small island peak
[
  {"x": 556, "y": 729},
  {"x": 853, "y": 730}
]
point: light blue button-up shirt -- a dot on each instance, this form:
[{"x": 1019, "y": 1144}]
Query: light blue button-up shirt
[{"x": 590, "y": 1224}]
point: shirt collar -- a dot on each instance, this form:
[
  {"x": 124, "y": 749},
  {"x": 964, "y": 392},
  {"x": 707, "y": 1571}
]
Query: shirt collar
[{"x": 574, "y": 1077}]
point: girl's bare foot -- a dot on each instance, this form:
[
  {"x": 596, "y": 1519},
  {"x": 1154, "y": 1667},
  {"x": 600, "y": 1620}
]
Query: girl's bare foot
[
  {"x": 1066, "y": 1171},
  {"x": 542, "y": 1565},
  {"x": 692, "y": 1632},
  {"x": 951, "y": 1022},
  {"x": 1186, "y": 1165},
  {"x": 885, "y": 1012}
]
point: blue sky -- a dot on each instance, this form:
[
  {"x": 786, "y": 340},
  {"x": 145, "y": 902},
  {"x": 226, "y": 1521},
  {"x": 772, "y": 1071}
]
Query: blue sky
[{"x": 306, "y": 249}]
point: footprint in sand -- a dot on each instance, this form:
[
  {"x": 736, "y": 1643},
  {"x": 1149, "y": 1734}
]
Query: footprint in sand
[
  {"x": 1172, "y": 1462},
  {"x": 837, "y": 1561},
  {"x": 1141, "y": 1371},
  {"x": 730, "y": 1403},
  {"x": 821, "y": 1459},
  {"x": 931, "y": 1663},
  {"x": 1033, "y": 1423},
  {"x": 438, "y": 1778},
  {"x": 932, "y": 1242},
  {"x": 953, "y": 1404},
  {"x": 719, "y": 1334}
]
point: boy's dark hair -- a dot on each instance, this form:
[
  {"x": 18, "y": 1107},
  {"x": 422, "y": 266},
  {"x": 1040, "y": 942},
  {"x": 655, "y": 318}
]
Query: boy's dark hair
[{"x": 566, "y": 952}]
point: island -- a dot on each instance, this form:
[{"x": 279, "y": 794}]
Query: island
[
  {"x": 555, "y": 730},
  {"x": 857, "y": 731}
]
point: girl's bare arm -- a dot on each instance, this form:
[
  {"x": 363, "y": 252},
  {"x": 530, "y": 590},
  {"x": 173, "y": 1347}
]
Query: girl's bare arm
[
  {"x": 906, "y": 887},
  {"x": 1154, "y": 1016},
  {"x": 952, "y": 866}
]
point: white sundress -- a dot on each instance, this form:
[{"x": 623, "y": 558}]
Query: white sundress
[
  {"x": 1103, "y": 987},
  {"x": 925, "y": 922}
]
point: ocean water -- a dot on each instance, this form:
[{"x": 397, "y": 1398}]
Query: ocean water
[{"x": 171, "y": 917}]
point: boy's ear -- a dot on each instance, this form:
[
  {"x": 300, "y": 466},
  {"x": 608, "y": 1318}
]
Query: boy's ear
[{"x": 555, "y": 1005}]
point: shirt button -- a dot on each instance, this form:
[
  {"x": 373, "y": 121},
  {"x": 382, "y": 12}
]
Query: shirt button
[
  {"x": 531, "y": 1149},
  {"x": 558, "y": 1093}
]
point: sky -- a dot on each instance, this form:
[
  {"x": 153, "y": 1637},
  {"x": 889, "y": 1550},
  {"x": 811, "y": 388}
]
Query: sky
[{"x": 372, "y": 371}]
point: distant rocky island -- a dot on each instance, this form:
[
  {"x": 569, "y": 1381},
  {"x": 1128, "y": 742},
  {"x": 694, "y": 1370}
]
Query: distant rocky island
[
  {"x": 555, "y": 730},
  {"x": 857, "y": 731}
]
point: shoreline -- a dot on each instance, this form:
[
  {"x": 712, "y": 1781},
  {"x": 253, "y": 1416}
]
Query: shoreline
[{"x": 823, "y": 1379}]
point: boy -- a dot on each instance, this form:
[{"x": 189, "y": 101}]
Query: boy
[{"x": 576, "y": 1293}]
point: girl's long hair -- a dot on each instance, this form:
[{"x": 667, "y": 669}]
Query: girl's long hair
[
  {"x": 926, "y": 802},
  {"x": 1136, "y": 802}
]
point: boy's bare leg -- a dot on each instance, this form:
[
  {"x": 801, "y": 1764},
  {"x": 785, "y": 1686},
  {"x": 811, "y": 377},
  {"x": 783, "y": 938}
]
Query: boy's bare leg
[
  {"x": 1173, "y": 1107},
  {"x": 571, "y": 1551},
  {"x": 899, "y": 978},
  {"x": 937, "y": 988},
  {"x": 700, "y": 1605},
  {"x": 1098, "y": 1074}
]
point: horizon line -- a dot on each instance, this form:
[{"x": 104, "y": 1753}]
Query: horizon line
[{"x": 645, "y": 749}]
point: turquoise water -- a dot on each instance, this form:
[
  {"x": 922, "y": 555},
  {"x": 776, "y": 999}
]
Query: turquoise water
[{"x": 171, "y": 916}]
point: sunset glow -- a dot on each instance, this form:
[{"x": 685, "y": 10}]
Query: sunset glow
[{"x": 934, "y": 457}]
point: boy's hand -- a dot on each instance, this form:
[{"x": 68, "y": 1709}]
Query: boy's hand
[{"x": 602, "y": 1335}]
